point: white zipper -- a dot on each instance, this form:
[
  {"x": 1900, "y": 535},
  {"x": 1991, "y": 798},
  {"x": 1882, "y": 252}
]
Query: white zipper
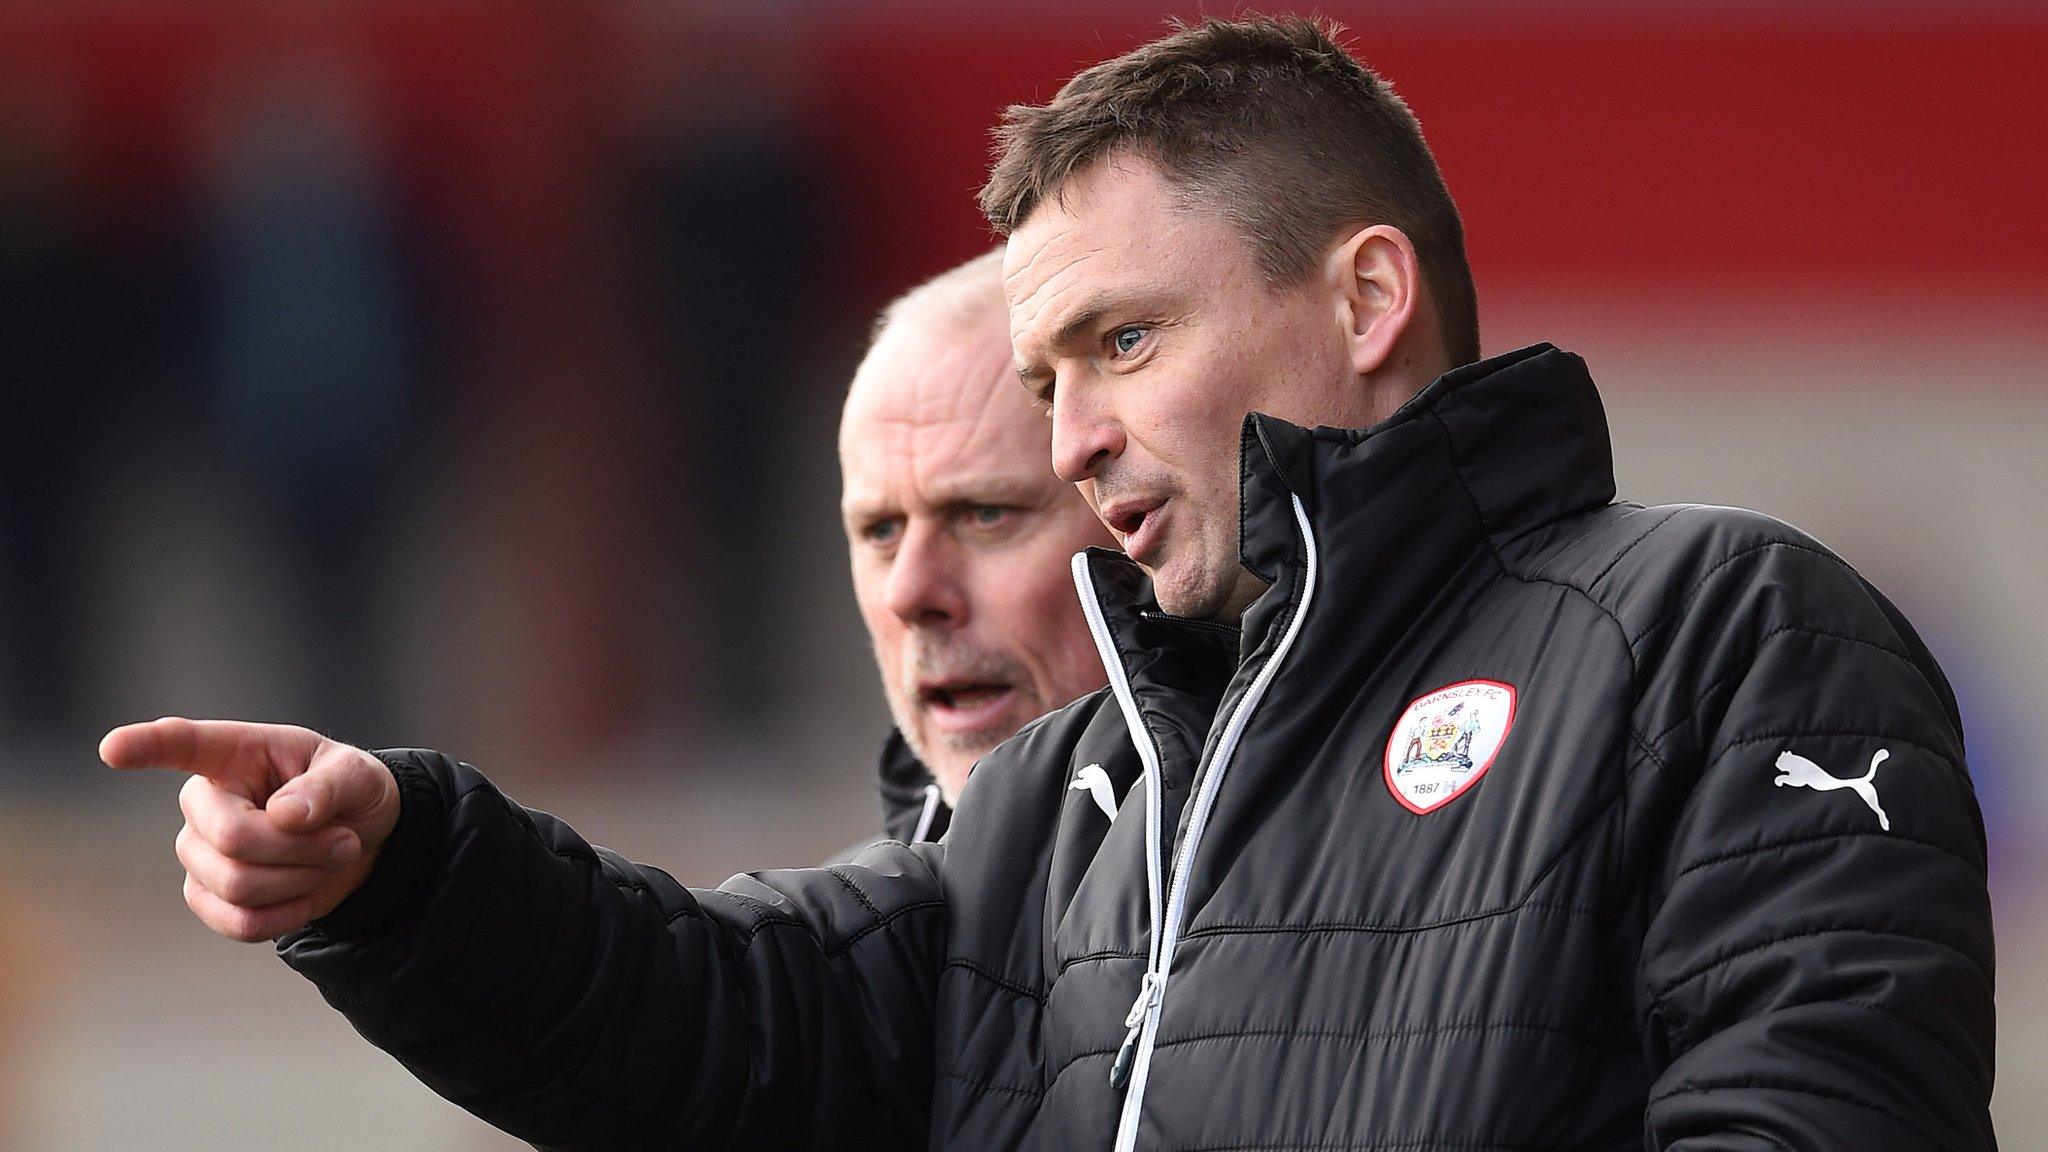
[
  {"x": 924, "y": 818},
  {"x": 1141, "y": 737},
  {"x": 1143, "y": 1020}
]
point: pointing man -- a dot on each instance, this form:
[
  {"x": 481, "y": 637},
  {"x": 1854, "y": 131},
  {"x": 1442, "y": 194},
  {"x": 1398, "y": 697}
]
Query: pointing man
[{"x": 1319, "y": 917}]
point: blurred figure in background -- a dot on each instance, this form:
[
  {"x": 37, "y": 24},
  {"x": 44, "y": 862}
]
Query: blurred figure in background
[
  {"x": 311, "y": 362},
  {"x": 959, "y": 535},
  {"x": 47, "y": 401}
]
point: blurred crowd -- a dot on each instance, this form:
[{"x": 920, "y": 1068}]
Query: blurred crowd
[{"x": 306, "y": 310}]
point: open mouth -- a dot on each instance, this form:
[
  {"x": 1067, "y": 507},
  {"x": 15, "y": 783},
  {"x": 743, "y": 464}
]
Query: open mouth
[
  {"x": 1136, "y": 525},
  {"x": 965, "y": 704},
  {"x": 964, "y": 697}
]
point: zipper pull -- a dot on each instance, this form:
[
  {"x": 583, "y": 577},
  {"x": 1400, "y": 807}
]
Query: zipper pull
[{"x": 1134, "y": 1022}]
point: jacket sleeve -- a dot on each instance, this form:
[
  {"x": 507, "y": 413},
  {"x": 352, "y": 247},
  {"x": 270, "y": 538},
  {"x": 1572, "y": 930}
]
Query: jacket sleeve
[
  {"x": 1816, "y": 972},
  {"x": 579, "y": 1001}
]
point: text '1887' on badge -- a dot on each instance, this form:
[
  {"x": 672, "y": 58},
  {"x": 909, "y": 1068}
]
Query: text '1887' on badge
[{"x": 1445, "y": 741}]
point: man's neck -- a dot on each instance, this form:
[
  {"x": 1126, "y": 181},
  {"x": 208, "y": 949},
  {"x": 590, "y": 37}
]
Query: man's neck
[
  {"x": 1247, "y": 589},
  {"x": 1398, "y": 382}
]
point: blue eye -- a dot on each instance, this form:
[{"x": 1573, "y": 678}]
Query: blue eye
[
  {"x": 881, "y": 531},
  {"x": 1126, "y": 340},
  {"x": 988, "y": 515}
]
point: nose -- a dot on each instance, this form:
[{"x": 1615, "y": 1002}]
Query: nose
[
  {"x": 1082, "y": 437},
  {"x": 925, "y": 586}
]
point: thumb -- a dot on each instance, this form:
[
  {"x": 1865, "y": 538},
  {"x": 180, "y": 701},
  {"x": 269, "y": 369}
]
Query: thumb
[
  {"x": 343, "y": 784},
  {"x": 296, "y": 807}
]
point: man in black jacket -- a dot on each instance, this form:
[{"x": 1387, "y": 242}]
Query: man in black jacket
[{"x": 1437, "y": 800}]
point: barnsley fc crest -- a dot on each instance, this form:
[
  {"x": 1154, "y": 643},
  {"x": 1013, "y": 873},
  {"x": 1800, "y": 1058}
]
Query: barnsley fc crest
[{"x": 1445, "y": 741}]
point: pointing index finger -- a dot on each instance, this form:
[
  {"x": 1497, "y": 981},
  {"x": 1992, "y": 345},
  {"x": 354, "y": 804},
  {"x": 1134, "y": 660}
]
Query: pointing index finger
[{"x": 200, "y": 746}]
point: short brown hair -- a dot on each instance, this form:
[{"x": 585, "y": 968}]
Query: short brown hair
[{"x": 1270, "y": 121}]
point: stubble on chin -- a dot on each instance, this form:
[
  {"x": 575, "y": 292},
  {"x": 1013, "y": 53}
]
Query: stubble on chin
[
  {"x": 953, "y": 757},
  {"x": 1195, "y": 592},
  {"x": 974, "y": 743}
]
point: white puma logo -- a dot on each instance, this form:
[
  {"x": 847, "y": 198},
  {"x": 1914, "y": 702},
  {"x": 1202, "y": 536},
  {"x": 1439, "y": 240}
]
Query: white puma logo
[
  {"x": 1800, "y": 772},
  {"x": 1093, "y": 780}
]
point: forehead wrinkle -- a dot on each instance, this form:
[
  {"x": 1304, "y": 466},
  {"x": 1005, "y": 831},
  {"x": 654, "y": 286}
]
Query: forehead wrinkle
[
  {"x": 974, "y": 455},
  {"x": 901, "y": 463},
  {"x": 984, "y": 421},
  {"x": 1062, "y": 289},
  {"x": 1059, "y": 244},
  {"x": 951, "y": 468},
  {"x": 865, "y": 449},
  {"x": 1010, "y": 278},
  {"x": 945, "y": 433}
]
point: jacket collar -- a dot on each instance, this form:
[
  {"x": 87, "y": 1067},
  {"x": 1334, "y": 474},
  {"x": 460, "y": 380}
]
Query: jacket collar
[
  {"x": 904, "y": 784},
  {"x": 1484, "y": 454}
]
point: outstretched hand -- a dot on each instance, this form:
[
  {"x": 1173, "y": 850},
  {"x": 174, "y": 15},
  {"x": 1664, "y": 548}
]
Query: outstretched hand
[{"x": 281, "y": 823}]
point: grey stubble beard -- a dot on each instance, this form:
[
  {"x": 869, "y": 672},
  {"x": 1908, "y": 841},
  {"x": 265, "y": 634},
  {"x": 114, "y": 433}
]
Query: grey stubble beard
[{"x": 952, "y": 660}]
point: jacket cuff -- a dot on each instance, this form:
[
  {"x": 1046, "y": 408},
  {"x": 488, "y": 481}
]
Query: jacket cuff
[{"x": 394, "y": 892}]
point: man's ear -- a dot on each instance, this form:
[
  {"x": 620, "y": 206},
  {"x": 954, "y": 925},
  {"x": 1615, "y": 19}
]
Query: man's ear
[{"x": 1379, "y": 279}]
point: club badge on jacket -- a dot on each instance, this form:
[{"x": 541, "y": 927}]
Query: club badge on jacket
[{"x": 1445, "y": 741}]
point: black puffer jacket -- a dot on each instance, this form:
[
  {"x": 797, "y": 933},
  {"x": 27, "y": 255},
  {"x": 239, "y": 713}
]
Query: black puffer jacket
[{"x": 1512, "y": 819}]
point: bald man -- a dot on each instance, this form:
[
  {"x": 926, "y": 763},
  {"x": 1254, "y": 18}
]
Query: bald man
[{"x": 959, "y": 535}]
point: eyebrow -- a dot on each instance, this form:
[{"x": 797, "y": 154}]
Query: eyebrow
[
  {"x": 953, "y": 493},
  {"x": 987, "y": 490}
]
